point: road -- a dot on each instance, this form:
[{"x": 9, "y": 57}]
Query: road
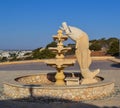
[{"x": 103, "y": 65}]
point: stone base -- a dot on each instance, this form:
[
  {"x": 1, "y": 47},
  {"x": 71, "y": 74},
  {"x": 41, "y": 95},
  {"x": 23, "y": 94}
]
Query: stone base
[
  {"x": 88, "y": 81},
  {"x": 72, "y": 81},
  {"x": 40, "y": 85}
]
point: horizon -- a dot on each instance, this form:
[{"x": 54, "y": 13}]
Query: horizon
[
  {"x": 15, "y": 49},
  {"x": 31, "y": 24}
]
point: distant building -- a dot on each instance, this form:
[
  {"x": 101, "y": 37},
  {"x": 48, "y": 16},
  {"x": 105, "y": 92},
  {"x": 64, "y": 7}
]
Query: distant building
[
  {"x": 21, "y": 54},
  {"x": 5, "y": 54},
  {"x": 9, "y": 54}
]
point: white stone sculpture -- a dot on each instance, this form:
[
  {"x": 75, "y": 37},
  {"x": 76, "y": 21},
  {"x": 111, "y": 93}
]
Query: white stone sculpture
[{"x": 82, "y": 52}]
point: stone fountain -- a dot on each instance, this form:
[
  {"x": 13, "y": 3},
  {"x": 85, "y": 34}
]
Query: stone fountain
[
  {"x": 60, "y": 62},
  {"x": 60, "y": 84}
]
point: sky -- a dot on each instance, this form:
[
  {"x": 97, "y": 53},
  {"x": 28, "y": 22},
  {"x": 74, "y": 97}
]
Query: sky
[{"x": 30, "y": 24}]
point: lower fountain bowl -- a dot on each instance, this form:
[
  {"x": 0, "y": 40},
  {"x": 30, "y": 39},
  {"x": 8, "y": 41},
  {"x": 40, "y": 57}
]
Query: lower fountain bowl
[{"x": 42, "y": 85}]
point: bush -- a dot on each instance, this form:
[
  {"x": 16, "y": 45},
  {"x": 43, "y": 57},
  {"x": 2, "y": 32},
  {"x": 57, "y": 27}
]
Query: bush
[
  {"x": 52, "y": 44},
  {"x": 114, "y": 48},
  {"x": 44, "y": 54},
  {"x": 95, "y": 46},
  {"x": 4, "y": 59}
]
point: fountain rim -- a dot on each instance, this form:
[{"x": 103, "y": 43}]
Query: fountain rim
[{"x": 14, "y": 83}]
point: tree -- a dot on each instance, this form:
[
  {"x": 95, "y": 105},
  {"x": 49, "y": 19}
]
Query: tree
[
  {"x": 111, "y": 40},
  {"x": 4, "y": 59},
  {"x": 52, "y": 44},
  {"x": 114, "y": 48},
  {"x": 40, "y": 53},
  {"x": 72, "y": 51},
  {"x": 36, "y": 53},
  {"x": 95, "y": 46},
  {"x": 46, "y": 54}
]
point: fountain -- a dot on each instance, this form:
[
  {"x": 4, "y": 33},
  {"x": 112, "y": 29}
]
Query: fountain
[
  {"x": 60, "y": 62},
  {"x": 68, "y": 85}
]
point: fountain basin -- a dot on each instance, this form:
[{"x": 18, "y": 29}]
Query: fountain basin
[{"x": 42, "y": 85}]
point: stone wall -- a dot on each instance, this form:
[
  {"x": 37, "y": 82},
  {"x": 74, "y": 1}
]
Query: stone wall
[{"x": 27, "y": 86}]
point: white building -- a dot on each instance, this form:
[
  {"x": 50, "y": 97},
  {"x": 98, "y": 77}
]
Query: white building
[
  {"x": 18, "y": 54},
  {"x": 21, "y": 54},
  {"x": 5, "y": 54}
]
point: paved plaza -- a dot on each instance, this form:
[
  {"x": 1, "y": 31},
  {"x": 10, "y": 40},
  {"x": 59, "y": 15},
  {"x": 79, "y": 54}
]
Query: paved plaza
[
  {"x": 102, "y": 64},
  {"x": 109, "y": 69}
]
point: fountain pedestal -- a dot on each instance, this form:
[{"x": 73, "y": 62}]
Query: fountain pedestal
[
  {"x": 60, "y": 64},
  {"x": 60, "y": 78}
]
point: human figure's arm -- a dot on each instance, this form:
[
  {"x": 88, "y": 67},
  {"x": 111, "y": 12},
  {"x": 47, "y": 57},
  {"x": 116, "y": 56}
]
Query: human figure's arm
[{"x": 73, "y": 32}]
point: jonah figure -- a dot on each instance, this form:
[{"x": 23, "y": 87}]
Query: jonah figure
[{"x": 82, "y": 50}]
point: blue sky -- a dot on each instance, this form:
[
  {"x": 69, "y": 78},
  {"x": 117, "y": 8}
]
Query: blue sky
[{"x": 29, "y": 24}]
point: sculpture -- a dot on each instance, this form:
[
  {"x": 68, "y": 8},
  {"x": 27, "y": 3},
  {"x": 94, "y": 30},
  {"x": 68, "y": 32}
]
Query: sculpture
[{"x": 82, "y": 52}]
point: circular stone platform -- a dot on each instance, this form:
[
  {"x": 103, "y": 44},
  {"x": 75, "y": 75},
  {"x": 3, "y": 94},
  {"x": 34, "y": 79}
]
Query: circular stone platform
[{"x": 42, "y": 85}]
